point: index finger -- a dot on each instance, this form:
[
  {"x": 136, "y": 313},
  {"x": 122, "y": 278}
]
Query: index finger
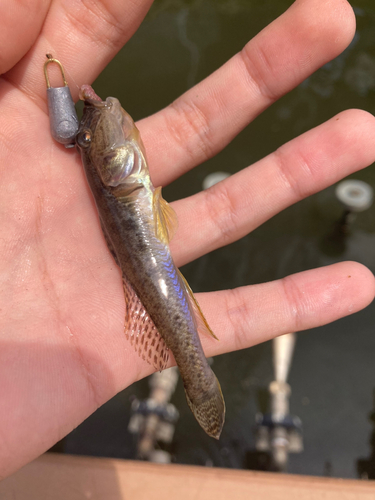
[{"x": 84, "y": 36}]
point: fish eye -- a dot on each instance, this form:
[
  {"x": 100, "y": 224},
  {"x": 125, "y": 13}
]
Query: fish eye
[{"x": 84, "y": 138}]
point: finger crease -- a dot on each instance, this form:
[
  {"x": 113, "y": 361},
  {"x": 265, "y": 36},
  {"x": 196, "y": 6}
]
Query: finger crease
[
  {"x": 191, "y": 130},
  {"x": 222, "y": 212},
  {"x": 299, "y": 180},
  {"x": 241, "y": 310},
  {"x": 256, "y": 72},
  {"x": 296, "y": 300},
  {"x": 98, "y": 23}
]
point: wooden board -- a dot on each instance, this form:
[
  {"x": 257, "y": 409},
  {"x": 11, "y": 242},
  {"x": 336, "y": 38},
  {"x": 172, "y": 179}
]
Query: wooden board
[{"x": 65, "y": 477}]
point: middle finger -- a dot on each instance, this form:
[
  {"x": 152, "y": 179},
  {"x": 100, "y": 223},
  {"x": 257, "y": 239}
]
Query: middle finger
[{"x": 206, "y": 118}]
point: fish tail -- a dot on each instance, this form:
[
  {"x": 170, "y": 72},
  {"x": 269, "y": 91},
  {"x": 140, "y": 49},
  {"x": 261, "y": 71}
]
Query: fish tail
[{"x": 209, "y": 410}]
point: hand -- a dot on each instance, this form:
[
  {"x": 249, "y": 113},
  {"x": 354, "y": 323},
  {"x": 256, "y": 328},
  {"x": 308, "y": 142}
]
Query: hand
[{"x": 63, "y": 352}]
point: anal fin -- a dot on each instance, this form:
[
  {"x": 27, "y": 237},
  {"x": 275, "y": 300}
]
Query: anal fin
[
  {"x": 202, "y": 325},
  {"x": 141, "y": 331},
  {"x": 165, "y": 217}
]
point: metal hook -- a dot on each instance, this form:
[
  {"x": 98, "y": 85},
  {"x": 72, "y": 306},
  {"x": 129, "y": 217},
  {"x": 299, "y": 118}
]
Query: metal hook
[{"x": 51, "y": 59}]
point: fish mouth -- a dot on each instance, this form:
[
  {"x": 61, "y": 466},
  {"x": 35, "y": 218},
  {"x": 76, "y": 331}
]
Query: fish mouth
[
  {"x": 93, "y": 101},
  {"x": 88, "y": 94}
]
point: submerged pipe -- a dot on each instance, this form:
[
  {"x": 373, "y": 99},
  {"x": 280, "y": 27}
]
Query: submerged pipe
[
  {"x": 278, "y": 432},
  {"x": 283, "y": 348},
  {"x": 154, "y": 419}
]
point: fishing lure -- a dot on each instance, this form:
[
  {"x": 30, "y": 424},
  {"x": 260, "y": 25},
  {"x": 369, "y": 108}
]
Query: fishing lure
[{"x": 62, "y": 112}]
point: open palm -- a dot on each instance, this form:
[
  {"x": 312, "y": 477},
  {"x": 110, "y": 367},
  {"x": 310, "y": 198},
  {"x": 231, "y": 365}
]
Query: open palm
[{"x": 63, "y": 351}]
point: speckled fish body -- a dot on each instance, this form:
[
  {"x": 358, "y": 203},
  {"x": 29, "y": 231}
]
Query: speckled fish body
[{"x": 136, "y": 223}]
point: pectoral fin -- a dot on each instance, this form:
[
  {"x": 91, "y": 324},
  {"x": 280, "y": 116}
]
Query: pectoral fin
[
  {"x": 165, "y": 218},
  {"x": 202, "y": 324},
  {"x": 141, "y": 331}
]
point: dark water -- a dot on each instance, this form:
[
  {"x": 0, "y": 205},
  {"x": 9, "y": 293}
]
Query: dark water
[{"x": 333, "y": 372}]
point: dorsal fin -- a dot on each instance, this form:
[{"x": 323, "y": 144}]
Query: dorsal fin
[
  {"x": 202, "y": 324},
  {"x": 165, "y": 218},
  {"x": 141, "y": 331}
]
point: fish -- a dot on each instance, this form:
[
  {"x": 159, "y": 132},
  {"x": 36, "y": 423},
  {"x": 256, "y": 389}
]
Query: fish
[{"x": 161, "y": 312}]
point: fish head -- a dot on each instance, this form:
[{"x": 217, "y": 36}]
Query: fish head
[{"x": 109, "y": 139}]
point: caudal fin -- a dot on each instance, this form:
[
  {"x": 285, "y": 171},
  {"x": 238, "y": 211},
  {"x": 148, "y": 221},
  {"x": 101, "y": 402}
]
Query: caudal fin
[{"x": 210, "y": 412}]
